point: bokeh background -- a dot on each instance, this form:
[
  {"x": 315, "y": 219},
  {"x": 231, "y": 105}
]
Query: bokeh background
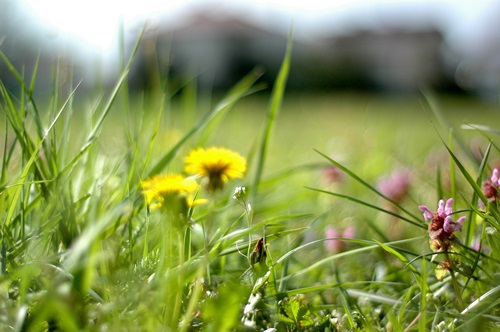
[{"x": 390, "y": 47}]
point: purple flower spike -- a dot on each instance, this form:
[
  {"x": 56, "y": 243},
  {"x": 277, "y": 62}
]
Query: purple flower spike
[
  {"x": 494, "y": 178},
  {"x": 491, "y": 187},
  {"x": 440, "y": 210},
  {"x": 441, "y": 225},
  {"x": 451, "y": 226},
  {"x": 448, "y": 208},
  {"x": 427, "y": 213}
]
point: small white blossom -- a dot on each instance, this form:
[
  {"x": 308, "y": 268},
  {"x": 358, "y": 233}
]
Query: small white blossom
[{"x": 239, "y": 193}]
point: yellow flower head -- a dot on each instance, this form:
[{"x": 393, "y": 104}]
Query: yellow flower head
[
  {"x": 216, "y": 164},
  {"x": 162, "y": 188}
]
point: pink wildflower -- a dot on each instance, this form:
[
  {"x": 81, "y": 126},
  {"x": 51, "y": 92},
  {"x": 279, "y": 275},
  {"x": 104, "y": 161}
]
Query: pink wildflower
[
  {"x": 476, "y": 244},
  {"x": 332, "y": 174},
  {"x": 491, "y": 187},
  {"x": 338, "y": 245},
  {"x": 395, "y": 186},
  {"x": 441, "y": 226}
]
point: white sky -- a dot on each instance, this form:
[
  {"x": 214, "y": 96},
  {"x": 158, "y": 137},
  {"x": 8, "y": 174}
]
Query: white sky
[{"x": 96, "y": 22}]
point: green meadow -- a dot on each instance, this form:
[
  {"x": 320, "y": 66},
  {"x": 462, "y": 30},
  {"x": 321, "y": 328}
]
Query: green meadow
[{"x": 317, "y": 212}]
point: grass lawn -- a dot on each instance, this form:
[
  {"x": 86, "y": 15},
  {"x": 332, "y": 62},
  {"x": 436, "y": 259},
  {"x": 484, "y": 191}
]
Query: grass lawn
[{"x": 315, "y": 212}]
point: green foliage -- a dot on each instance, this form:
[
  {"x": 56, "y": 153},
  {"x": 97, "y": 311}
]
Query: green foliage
[{"x": 294, "y": 316}]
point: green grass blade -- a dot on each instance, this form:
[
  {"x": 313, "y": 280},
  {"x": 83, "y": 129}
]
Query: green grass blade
[
  {"x": 16, "y": 73},
  {"x": 368, "y": 246},
  {"x": 403, "y": 259},
  {"x": 453, "y": 178},
  {"x": 35, "y": 72},
  {"x": 121, "y": 81},
  {"x": 347, "y": 308},
  {"x": 273, "y": 111},
  {"x": 14, "y": 117},
  {"x": 439, "y": 181},
  {"x": 152, "y": 140},
  {"x": 443, "y": 120},
  {"x": 5, "y": 157},
  {"x": 424, "y": 288},
  {"x": 488, "y": 300},
  {"x": 373, "y": 297},
  {"x": 229, "y": 239},
  {"x": 63, "y": 145},
  {"x": 466, "y": 174},
  {"x": 36, "y": 116},
  {"x": 470, "y": 224},
  {"x": 26, "y": 89},
  {"x": 480, "y": 128}
]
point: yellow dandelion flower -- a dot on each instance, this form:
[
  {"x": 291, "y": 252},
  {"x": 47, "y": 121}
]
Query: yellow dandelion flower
[
  {"x": 218, "y": 165},
  {"x": 160, "y": 187}
]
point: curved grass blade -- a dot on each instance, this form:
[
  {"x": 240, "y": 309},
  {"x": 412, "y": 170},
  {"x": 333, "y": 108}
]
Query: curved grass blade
[
  {"x": 351, "y": 291},
  {"x": 433, "y": 105},
  {"x": 470, "y": 224},
  {"x": 377, "y": 298},
  {"x": 479, "y": 127},
  {"x": 281, "y": 175},
  {"x": 238, "y": 234},
  {"x": 27, "y": 90},
  {"x": 274, "y": 108},
  {"x": 369, "y": 245},
  {"x": 367, "y": 185},
  {"x": 421, "y": 225},
  {"x": 269, "y": 237},
  {"x": 485, "y": 303},
  {"x": 152, "y": 140},
  {"x": 466, "y": 175},
  {"x": 403, "y": 259}
]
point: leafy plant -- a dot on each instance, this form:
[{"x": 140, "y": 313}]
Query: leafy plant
[{"x": 293, "y": 316}]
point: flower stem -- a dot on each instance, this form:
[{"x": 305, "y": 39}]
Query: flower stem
[
  {"x": 457, "y": 291},
  {"x": 179, "y": 290},
  {"x": 456, "y": 287},
  {"x": 205, "y": 244},
  {"x": 249, "y": 214}
]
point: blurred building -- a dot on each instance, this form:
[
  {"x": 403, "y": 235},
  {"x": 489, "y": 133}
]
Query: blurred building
[
  {"x": 217, "y": 50},
  {"x": 220, "y": 50},
  {"x": 391, "y": 59}
]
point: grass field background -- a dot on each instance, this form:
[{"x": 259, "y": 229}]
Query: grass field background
[{"x": 82, "y": 248}]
